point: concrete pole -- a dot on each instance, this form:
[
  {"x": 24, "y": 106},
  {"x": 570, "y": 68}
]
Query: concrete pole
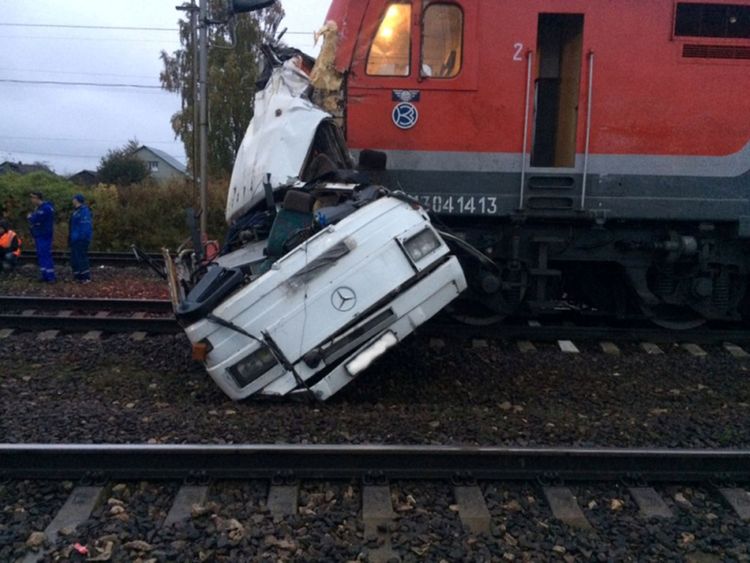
[
  {"x": 203, "y": 63},
  {"x": 194, "y": 94},
  {"x": 192, "y": 11}
]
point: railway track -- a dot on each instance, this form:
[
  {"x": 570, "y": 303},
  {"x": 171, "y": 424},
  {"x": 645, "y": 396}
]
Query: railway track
[
  {"x": 100, "y": 258},
  {"x": 10, "y": 302},
  {"x": 568, "y": 331},
  {"x": 380, "y": 486},
  {"x": 87, "y": 315},
  {"x": 155, "y": 316},
  {"x": 127, "y": 461}
]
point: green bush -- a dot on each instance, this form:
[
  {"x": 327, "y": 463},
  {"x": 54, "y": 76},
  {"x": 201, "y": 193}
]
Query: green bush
[
  {"x": 121, "y": 166},
  {"x": 148, "y": 214}
]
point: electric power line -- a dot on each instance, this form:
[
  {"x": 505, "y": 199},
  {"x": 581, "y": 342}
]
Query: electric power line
[
  {"x": 95, "y": 84},
  {"x": 69, "y": 38},
  {"x": 113, "y": 27},
  {"x": 49, "y": 71},
  {"x": 75, "y": 139},
  {"x": 71, "y": 26},
  {"x": 66, "y": 155},
  {"x": 10, "y": 152},
  {"x": 172, "y": 40}
]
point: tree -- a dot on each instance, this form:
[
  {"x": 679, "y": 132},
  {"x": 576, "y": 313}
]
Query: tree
[
  {"x": 121, "y": 166},
  {"x": 232, "y": 72}
]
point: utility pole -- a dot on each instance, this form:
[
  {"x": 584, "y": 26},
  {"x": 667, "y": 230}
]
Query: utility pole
[
  {"x": 203, "y": 117},
  {"x": 192, "y": 10},
  {"x": 194, "y": 93},
  {"x": 200, "y": 110}
]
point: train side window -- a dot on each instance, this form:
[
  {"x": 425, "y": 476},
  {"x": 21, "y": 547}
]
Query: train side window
[
  {"x": 390, "y": 51},
  {"x": 730, "y": 21},
  {"x": 442, "y": 41}
]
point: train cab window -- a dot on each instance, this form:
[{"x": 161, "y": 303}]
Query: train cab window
[
  {"x": 442, "y": 41},
  {"x": 729, "y": 21},
  {"x": 390, "y": 51}
]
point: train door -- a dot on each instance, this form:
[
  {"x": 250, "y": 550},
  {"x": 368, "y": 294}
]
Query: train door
[
  {"x": 414, "y": 66},
  {"x": 559, "y": 48},
  {"x": 555, "y": 183}
]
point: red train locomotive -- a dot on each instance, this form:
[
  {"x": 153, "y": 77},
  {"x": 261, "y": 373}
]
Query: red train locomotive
[
  {"x": 599, "y": 152},
  {"x": 578, "y": 154}
]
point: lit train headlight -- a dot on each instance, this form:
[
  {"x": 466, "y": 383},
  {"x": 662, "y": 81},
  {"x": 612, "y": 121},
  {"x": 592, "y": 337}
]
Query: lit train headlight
[
  {"x": 420, "y": 245},
  {"x": 252, "y": 367}
]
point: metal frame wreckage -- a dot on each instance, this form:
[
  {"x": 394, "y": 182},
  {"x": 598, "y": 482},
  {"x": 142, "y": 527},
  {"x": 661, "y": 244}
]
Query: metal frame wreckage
[{"x": 323, "y": 270}]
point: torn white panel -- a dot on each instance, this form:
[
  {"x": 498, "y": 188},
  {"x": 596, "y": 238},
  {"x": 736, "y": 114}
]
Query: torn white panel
[
  {"x": 252, "y": 252},
  {"x": 277, "y": 140}
]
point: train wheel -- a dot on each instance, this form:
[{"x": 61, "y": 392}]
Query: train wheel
[
  {"x": 673, "y": 317},
  {"x": 474, "y": 314}
]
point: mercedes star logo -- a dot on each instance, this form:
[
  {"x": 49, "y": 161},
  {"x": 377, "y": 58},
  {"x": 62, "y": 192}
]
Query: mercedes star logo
[{"x": 343, "y": 299}]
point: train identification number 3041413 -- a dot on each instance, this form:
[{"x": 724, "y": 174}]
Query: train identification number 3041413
[{"x": 459, "y": 205}]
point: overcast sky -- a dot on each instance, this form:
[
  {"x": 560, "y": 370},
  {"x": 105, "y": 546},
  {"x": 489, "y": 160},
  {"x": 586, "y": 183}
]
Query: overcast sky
[{"x": 71, "y": 127}]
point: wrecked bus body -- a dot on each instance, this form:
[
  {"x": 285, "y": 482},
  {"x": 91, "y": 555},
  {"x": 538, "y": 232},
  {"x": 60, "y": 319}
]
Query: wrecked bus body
[{"x": 323, "y": 272}]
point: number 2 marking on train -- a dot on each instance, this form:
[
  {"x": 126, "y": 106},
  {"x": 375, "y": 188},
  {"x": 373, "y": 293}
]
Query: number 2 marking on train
[{"x": 517, "y": 53}]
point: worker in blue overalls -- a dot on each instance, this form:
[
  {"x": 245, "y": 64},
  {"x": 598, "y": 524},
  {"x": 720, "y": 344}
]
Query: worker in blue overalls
[
  {"x": 81, "y": 229},
  {"x": 42, "y": 222}
]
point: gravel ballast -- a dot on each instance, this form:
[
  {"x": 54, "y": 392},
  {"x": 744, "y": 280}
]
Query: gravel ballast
[
  {"x": 235, "y": 524},
  {"x": 106, "y": 282},
  {"x": 118, "y": 390}
]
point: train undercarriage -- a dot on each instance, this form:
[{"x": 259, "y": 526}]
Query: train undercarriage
[{"x": 677, "y": 275}]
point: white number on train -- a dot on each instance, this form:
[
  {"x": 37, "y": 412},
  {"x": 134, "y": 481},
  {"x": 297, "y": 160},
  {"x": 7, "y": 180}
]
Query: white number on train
[
  {"x": 518, "y": 51},
  {"x": 461, "y": 205}
]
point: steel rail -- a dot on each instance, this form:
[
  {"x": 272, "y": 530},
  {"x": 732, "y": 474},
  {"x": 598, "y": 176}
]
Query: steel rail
[
  {"x": 13, "y": 302},
  {"x": 105, "y": 258},
  {"x": 438, "y": 328},
  {"x": 553, "y": 333},
  {"x": 154, "y": 325},
  {"x": 130, "y": 461}
]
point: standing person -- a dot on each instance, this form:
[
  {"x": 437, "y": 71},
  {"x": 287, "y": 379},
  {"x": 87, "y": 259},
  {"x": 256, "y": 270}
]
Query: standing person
[
  {"x": 42, "y": 223},
  {"x": 10, "y": 247},
  {"x": 81, "y": 229}
]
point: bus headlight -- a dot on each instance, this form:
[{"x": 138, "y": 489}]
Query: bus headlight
[
  {"x": 420, "y": 245},
  {"x": 252, "y": 367}
]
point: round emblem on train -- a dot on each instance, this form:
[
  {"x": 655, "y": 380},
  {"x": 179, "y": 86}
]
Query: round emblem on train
[
  {"x": 405, "y": 115},
  {"x": 343, "y": 299}
]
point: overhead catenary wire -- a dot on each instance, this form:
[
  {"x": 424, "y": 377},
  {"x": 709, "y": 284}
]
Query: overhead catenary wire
[
  {"x": 95, "y": 84},
  {"x": 83, "y": 73},
  {"x": 119, "y": 84},
  {"x": 14, "y": 138},
  {"x": 80, "y": 26},
  {"x": 173, "y": 41},
  {"x": 66, "y": 155},
  {"x": 11, "y": 152},
  {"x": 111, "y": 27}
]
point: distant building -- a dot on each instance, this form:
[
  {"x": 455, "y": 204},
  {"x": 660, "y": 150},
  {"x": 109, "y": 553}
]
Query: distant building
[
  {"x": 21, "y": 168},
  {"x": 85, "y": 178},
  {"x": 160, "y": 165}
]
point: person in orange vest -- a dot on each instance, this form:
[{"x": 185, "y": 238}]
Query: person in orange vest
[{"x": 10, "y": 247}]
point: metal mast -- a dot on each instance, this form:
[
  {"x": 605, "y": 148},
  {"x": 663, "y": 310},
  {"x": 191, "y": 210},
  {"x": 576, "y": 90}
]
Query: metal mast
[{"x": 203, "y": 117}]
